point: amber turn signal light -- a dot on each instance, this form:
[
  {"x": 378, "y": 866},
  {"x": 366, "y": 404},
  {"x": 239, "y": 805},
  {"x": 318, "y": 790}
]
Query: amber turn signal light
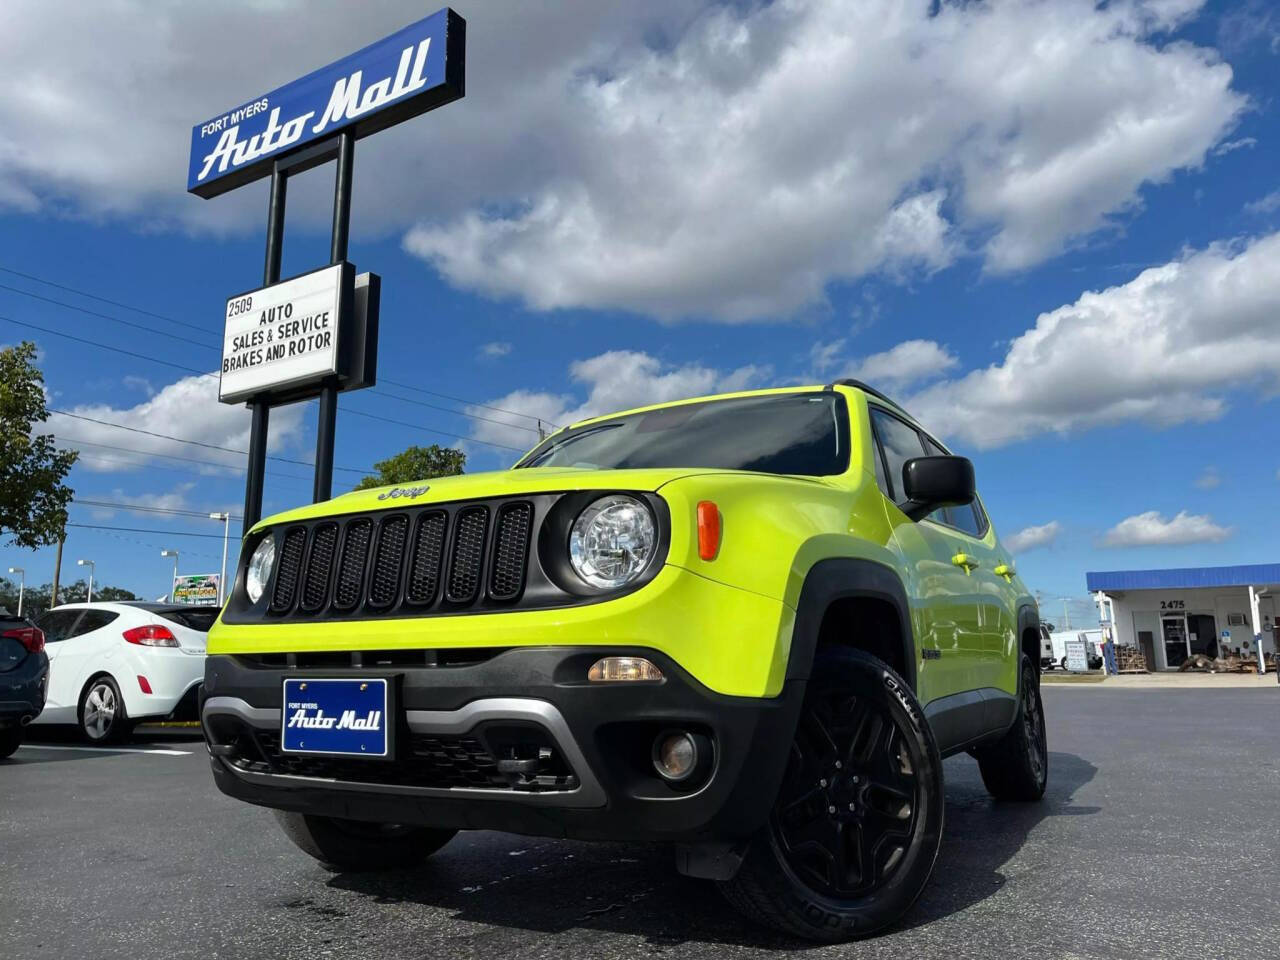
[{"x": 708, "y": 530}]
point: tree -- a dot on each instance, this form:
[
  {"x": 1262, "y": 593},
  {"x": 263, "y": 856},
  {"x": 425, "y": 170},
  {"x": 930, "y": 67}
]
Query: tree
[
  {"x": 35, "y": 600},
  {"x": 416, "y": 463},
  {"x": 33, "y": 498}
]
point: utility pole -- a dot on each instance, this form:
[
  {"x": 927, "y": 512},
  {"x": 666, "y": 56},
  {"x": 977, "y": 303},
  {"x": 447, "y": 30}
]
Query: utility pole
[{"x": 57, "y": 573}]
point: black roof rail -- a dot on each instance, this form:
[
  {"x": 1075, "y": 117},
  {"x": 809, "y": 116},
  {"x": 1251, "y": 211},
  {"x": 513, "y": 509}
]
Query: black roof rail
[{"x": 865, "y": 388}]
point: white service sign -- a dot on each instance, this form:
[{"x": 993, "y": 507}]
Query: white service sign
[
  {"x": 281, "y": 335},
  {"x": 1077, "y": 658}
]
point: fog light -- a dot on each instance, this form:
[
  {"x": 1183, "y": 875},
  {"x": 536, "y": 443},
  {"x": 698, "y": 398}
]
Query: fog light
[
  {"x": 675, "y": 755},
  {"x": 620, "y": 669},
  {"x": 682, "y": 758}
]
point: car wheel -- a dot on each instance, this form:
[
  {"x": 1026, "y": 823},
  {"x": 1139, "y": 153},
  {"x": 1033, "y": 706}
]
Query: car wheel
[
  {"x": 102, "y": 715},
  {"x": 357, "y": 845},
  {"x": 856, "y": 827},
  {"x": 1016, "y": 767},
  {"x": 9, "y": 741}
]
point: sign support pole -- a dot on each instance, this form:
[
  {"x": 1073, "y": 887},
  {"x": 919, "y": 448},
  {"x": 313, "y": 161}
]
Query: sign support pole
[
  {"x": 260, "y": 409},
  {"x": 326, "y": 426}
]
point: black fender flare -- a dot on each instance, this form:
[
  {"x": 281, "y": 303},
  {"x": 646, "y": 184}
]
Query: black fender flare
[
  {"x": 840, "y": 578},
  {"x": 1028, "y": 619}
]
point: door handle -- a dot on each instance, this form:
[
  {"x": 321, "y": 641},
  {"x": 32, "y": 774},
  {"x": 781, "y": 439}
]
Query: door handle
[
  {"x": 965, "y": 560},
  {"x": 1005, "y": 570}
]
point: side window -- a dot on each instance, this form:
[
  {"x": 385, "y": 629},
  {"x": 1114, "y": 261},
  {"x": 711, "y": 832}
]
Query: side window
[
  {"x": 942, "y": 514},
  {"x": 882, "y": 480},
  {"x": 92, "y": 620},
  {"x": 900, "y": 443},
  {"x": 970, "y": 519},
  {"x": 56, "y": 624}
]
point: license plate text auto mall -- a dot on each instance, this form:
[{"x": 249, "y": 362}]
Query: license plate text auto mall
[
  {"x": 346, "y": 102},
  {"x": 287, "y": 338}
]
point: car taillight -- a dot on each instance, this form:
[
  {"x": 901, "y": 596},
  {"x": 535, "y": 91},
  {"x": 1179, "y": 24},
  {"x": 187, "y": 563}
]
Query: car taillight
[
  {"x": 152, "y": 635},
  {"x": 30, "y": 637}
]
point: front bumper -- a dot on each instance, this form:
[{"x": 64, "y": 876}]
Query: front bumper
[{"x": 455, "y": 721}]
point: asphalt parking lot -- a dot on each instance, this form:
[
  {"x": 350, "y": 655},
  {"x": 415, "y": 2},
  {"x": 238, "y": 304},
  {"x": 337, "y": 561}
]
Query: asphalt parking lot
[{"x": 1159, "y": 837}]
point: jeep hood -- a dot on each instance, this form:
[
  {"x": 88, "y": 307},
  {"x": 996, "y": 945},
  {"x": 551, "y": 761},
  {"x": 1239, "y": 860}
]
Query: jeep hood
[{"x": 478, "y": 486}]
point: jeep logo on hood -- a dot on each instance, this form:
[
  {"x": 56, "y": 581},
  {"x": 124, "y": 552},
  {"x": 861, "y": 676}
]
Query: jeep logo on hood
[{"x": 396, "y": 493}]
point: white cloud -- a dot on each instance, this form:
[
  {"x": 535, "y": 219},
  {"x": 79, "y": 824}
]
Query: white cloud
[
  {"x": 1268, "y": 204},
  {"x": 908, "y": 363},
  {"x": 616, "y": 380},
  {"x": 769, "y": 152},
  {"x": 1208, "y": 478},
  {"x": 671, "y": 157},
  {"x": 1230, "y": 146},
  {"x": 1123, "y": 354},
  {"x": 189, "y": 409},
  {"x": 496, "y": 349},
  {"x": 1030, "y": 538},
  {"x": 1151, "y": 529}
]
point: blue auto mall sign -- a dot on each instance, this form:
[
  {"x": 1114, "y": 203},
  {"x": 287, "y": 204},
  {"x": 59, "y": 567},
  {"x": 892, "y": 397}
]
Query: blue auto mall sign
[{"x": 413, "y": 70}]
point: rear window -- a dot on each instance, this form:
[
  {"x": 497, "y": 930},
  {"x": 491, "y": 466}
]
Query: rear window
[
  {"x": 802, "y": 434},
  {"x": 199, "y": 618}
]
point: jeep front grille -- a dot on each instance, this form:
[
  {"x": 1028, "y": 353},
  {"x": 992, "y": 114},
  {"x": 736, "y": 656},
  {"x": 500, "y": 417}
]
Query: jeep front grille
[{"x": 374, "y": 565}]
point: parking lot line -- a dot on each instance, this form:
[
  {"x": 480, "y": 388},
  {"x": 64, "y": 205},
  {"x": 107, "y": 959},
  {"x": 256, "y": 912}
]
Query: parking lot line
[{"x": 162, "y": 752}]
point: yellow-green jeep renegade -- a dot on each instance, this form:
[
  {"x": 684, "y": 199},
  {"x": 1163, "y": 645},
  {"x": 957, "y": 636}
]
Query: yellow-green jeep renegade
[{"x": 751, "y": 625}]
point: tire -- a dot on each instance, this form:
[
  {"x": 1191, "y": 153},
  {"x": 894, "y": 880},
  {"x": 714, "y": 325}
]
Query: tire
[
  {"x": 803, "y": 872},
  {"x": 102, "y": 717},
  {"x": 10, "y": 740},
  {"x": 1016, "y": 767},
  {"x": 357, "y": 846},
  {"x": 1063, "y": 663}
]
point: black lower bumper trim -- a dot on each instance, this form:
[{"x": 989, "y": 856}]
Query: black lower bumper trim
[{"x": 604, "y": 736}]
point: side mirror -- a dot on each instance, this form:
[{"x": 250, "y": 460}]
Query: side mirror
[{"x": 933, "y": 482}]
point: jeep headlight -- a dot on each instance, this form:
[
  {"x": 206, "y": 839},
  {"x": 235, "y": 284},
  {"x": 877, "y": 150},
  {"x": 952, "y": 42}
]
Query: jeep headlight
[
  {"x": 259, "y": 572},
  {"x": 612, "y": 541}
]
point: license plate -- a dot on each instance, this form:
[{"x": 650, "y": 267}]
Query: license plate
[{"x": 345, "y": 717}]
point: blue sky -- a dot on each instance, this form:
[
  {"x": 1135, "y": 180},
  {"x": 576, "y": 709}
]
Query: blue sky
[{"x": 1051, "y": 228}]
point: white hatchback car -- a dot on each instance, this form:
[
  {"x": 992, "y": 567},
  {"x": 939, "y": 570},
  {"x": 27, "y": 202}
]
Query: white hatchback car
[{"x": 114, "y": 664}]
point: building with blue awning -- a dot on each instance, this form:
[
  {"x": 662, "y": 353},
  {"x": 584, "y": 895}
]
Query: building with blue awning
[{"x": 1172, "y": 614}]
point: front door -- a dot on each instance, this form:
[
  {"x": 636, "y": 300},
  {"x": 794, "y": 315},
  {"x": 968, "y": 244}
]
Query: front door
[
  {"x": 1202, "y": 634},
  {"x": 1176, "y": 647}
]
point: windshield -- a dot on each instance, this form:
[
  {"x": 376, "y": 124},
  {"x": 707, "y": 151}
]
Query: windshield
[{"x": 792, "y": 433}]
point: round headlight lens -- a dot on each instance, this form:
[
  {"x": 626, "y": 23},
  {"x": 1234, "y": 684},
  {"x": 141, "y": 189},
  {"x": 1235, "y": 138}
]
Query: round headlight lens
[
  {"x": 612, "y": 541},
  {"x": 259, "y": 572}
]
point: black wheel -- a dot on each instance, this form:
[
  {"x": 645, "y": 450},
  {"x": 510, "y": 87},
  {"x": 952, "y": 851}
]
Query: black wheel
[
  {"x": 1016, "y": 767},
  {"x": 102, "y": 715},
  {"x": 9, "y": 741},
  {"x": 858, "y": 820},
  {"x": 356, "y": 845},
  {"x": 1063, "y": 663}
]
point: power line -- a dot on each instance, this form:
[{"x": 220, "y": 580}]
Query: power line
[
  {"x": 146, "y": 508},
  {"x": 236, "y": 468},
  {"x": 105, "y": 346},
  {"x": 470, "y": 403},
  {"x": 94, "y": 296},
  {"x": 129, "y": 353},
  {"x": 94, "y": 313},
  {"x": 461, "y": 413},
  {"x": 206, "y": 373},
  {"x": 418, "y": 426},
  {"x": 192, "y": 326},
  {"x": 163, "y": 533},
  {"x": 197, "y": 443}
]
